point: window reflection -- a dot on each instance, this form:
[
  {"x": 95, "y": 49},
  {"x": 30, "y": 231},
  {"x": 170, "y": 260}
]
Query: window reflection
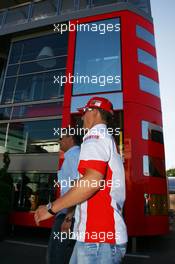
[
  {"x": 5, "y": 113},
  {"x": 84, "y": 4},
  {"x": 98, "y": 57},
  {"x": 155, "y": 204},
  {"x": 7, "y": 96},
  {"x": 171, "y": 185},
  {"x": 38, "y": 87},
  {"x": 13, "y": 70},
  {"x": 32, "y": 190},
  {"x": 33, "y": 137},
  {"x": 143, "y": 5},
  {"x": 44, "y": 9},
  {"x": 16, "y": 52},
  {"x": 45, "y": 47},
  {"x": 41, "y": 110},
  {"x": 17, "y": 16},
  {"x": 149, "y": 86},
  {"x": 104, "y": 2},
  {"x": 152, "y": 132},
  {"x": 1, "y": 18},
  {"x": 3, "y": 129},
  {"x": 153, "y": 166},
  {"x": 47, "y": 59},
  {"x": 145, "y": 35},
  {"x": 146, "y": 58},
  {"x": 67, "y": 6},
  {"x": 43, "y": 65},
  {"x": 80, "y": 101}
]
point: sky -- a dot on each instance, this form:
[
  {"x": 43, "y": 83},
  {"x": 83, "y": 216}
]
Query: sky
[{"x": 163, "y": 13}]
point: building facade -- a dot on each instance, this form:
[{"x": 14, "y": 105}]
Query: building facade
[{"x": 54, "y": 56}]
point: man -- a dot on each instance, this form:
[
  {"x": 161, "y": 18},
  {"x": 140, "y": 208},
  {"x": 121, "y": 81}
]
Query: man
[
  {"x": 69, "y": 144},
  {"x": 99, "y": 193}
]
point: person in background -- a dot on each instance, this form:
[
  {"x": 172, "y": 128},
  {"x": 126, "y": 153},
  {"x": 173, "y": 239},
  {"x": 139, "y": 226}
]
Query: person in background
[{"x": 61, "y": 250}]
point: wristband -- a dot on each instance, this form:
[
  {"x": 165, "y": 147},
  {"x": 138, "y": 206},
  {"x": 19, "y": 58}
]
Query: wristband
[{"x": 49, "y": 208}]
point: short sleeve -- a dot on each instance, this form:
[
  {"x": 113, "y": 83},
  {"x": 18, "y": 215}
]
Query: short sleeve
[{"x": 94, "y": 155}]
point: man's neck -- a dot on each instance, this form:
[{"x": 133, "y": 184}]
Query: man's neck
[{"x": 98, "y": 123}]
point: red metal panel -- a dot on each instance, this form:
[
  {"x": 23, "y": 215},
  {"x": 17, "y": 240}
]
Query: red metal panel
[
  {"x": 138, "y": 106},
  {"x": 27, "y": 219},
  {"x": 68, "y": 86}
]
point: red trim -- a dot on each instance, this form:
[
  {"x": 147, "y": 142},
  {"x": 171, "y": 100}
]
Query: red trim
[
  {"x": 97, "y": 165},
  {"x": 146, "y": 46},
  {"x": 101, "y": 214},
  {"x": 68, "y": 86}
]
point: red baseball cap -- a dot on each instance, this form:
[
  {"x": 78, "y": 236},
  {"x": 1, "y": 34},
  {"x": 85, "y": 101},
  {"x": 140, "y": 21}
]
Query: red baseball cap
[{"x": 98, "y": 102}]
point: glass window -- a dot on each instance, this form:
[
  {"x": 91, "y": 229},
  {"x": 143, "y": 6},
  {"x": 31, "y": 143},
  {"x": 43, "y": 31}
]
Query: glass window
[
  {"x": 8, "y": 91},
  {"x": 12, "y": 70},
  {"x": 98, "y": 57},
  {"x": 155, "y": 204},
  {"x": 149, "y": 86},
  {"x": 50, "y": 53},
  {"x": 1, "y": 18},
  {"x": 3, "y": 129},
  {"x": 28, "y": 111},
  {"x": 16, "y": 52},
  {"x": 46, "y": 47},
  {"x": 143, "y": 5},
  {"x": 32, "y": 190},
  {"x": 153, "y": 166},
  {"x": 146, "y": 58},
  {"x": 80, "y": 101},
  {"x": 33, "y": 137},
  {"x": 145, "y": 35},
  {"x": 104, "y": 2},
  {"x": 152, "y": 132},
  {"x": 44, "y": 9},
  {"x": 5, "y": 113},
  {"x": 38, "y": 87},
  {"x": 43, "y": 65},
  {"x": 17, "y": 16},
  {"x": 67, "y": 6},
  {"x": 83, "y": 4},
  {"x": 171, "y": 184}
]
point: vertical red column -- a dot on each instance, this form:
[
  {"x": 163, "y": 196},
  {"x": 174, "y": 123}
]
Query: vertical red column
[
  {"x": 138, "y": 106},
  {"x": 69, "y": 72}
]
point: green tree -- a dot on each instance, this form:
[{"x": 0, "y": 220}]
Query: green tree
[{"x": 171, "y": 172}]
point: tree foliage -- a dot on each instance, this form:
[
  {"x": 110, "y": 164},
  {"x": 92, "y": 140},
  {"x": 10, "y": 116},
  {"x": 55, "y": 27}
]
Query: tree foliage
[{"x": 171, "y": 172}]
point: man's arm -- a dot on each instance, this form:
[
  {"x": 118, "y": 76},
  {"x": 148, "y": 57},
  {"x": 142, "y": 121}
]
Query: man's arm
[{"x": 82, "y": 191}]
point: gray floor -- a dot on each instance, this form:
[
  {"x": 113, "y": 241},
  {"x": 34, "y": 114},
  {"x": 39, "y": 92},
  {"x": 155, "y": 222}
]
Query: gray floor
[{"x": 30, "y": 247}]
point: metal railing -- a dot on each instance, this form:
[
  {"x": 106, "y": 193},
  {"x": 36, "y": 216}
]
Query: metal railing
[{"x": 42, "y": 9}]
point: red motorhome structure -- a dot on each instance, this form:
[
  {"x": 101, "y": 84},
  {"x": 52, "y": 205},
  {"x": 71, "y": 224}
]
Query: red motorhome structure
[{"x": 116, "y": 45}]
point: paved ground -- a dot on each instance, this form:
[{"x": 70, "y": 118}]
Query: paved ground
[{"x": 28, "y": 246}]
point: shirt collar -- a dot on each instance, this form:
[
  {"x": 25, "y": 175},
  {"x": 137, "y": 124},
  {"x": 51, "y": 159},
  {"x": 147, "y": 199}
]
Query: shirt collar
[{"x": 96, "y": 127}]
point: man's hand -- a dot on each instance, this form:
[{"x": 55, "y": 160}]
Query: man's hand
[{"x": 41, "y": 214}]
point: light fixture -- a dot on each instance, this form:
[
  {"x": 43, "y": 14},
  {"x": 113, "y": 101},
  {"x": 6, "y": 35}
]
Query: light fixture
[{"x": 44, "y": 57}]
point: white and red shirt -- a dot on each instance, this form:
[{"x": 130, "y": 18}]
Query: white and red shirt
[{"x": 99, "y": 219}]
